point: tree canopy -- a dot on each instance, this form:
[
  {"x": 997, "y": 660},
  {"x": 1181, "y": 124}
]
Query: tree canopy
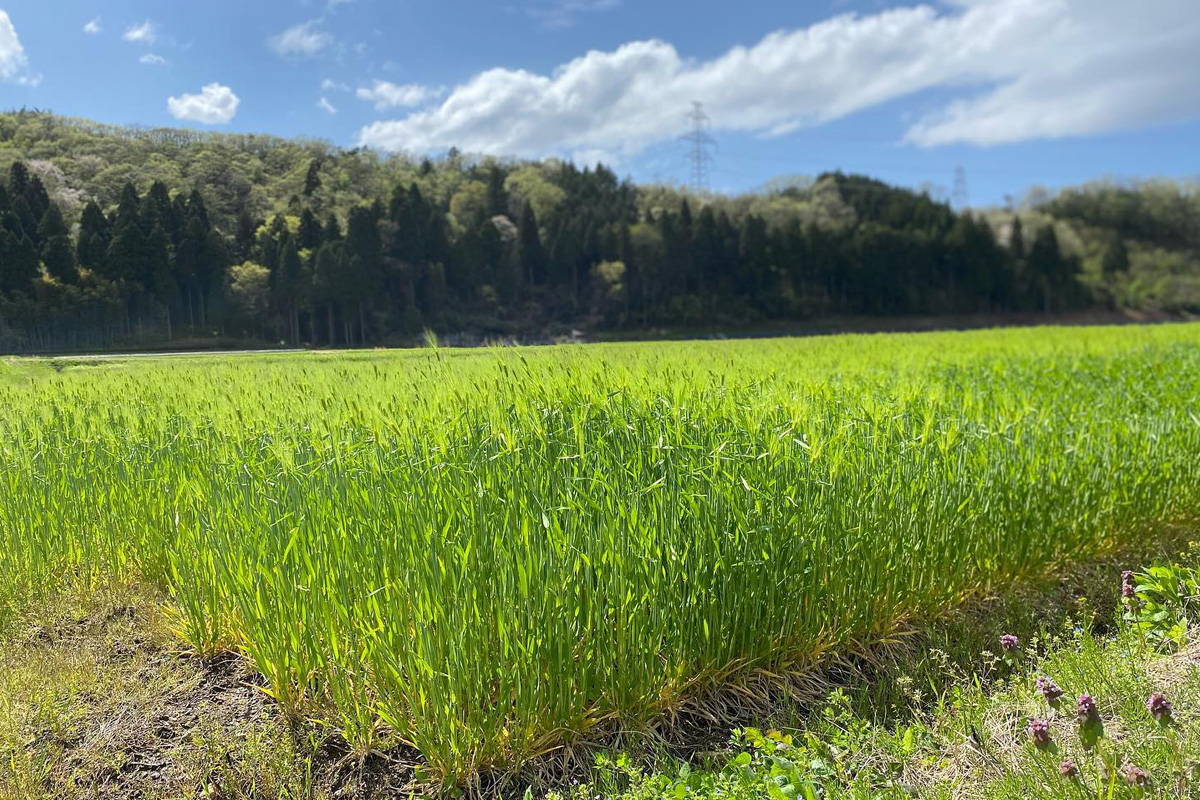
[{"x": 113, "y": 234}]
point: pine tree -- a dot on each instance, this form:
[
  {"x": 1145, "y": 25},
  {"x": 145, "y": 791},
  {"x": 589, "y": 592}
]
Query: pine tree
[
  {"x": 59, "y": 259},
  {"x": 18, "y": 262},
  {"x": 310, "y": 233},
  {"x": 288, "y": 286},
  {"x": 18, "y": 178},
  {"x": 363, "y": 276},
  {"x": 126, "y": 254},
  {"x": 531, "y": 256},
  {"x": 93, "y": 238},
  {"x": 128, "y": 207},
  {"x": 333, "y": 231},
  {"x": 1016, "y": 240},
  {"x": 158, "y": 275},
  {"x": 56, "y": 252},
  {"x": 37, "y": 197},
  {"x": 326, "y": 274},
  {"x": 497, "y": 196},
  {"x": 247, "y": 229},
  {"x": 1047, "y": 266}
]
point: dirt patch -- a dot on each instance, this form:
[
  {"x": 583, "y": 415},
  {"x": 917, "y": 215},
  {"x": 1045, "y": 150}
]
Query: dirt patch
[
  {"x": 98, "y": 701},
  {"x": 144, "y": 743}
]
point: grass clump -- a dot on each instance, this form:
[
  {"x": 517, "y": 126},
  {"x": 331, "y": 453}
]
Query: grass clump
[
  {"x": 485, "y": 556},
  {"x": 1099, "y": 708}
]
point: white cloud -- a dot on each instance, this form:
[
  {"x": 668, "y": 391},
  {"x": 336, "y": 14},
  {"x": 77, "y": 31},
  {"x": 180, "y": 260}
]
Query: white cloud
[
  {"x": 387, "y": 95},
  {"x": 146, "y": 33},
  {"x": 1021, "y": 69},
  {"x": 301, "y": 41},
  {"x": 93, "y": 27},
  {"x": 326, "y": 106},
  {"x": 14, "y": 64},
  {"x": 215, "y": 105},
  {"x": 153, "y": 59},
  {"x": 330, "y": 85},
  {"x": 12, "y": 54},
  {"x": 563, "y": 13}
]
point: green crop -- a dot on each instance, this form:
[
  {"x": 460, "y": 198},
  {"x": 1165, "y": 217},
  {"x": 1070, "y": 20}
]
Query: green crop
[{"x": 486, "y": 553}]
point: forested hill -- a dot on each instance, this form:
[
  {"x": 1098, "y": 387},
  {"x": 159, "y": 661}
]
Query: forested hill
[{"x": 117, "y": 237}]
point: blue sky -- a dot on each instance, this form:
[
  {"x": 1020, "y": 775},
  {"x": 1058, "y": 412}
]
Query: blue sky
[{"x": 1017, "y": 92}]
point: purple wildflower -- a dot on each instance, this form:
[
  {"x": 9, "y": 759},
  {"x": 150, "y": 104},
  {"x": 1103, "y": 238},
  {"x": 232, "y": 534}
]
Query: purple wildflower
[
  {"x": 1127, "y": 590},
  {"x": 1049, "y": 690},
  {"x": 1135, "y": 777},
  {"x": 1068, "y": 769},
  {"x": 1159, "y": 707},
  {"x": 1039, "y": 729},
  {"x": 1088, "y": 712},
  {"x": 1009, "y": 642}
]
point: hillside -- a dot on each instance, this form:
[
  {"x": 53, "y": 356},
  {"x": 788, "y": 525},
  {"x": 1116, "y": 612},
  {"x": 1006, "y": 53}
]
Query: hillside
[{"x": 128, "y": 237}]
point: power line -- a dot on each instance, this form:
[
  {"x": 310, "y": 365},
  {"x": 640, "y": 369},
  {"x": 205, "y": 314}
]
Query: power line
[{"x": 701, "y": 143}]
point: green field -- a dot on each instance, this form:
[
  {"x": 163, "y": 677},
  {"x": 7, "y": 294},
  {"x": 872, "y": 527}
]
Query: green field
[{"x": 486, "y": 553}]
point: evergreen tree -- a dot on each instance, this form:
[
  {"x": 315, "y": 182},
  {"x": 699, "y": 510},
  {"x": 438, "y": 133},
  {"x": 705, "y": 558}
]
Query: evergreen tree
[
  {"x": 158, "y": 276},
  {"x": 1047, "y": 266},
  {"x": 18, "y": 178},
  {"x": 497, "y": 196},
  {"x": 309, "y": 236},
  {"x": 59, "y": 259},
  {"x": 530, "y": 255},
  {"x": 93, "y": 238},
  {"x": 56, "y": 252},
  {"x": 244, "y": 239},
  {"x": 127, "y": 253},
  {"x": 1016, "y": 240},
  {"x": 37, "y": 198},
  {"x": 333, "y": 231},
  {"x": 364, "y": 258},
  {"x": 128, "y": 208},
  {"x": 327, "y": 291},
  {"x": 288, "y": 285},
  {"x": 18, "y": 263}
]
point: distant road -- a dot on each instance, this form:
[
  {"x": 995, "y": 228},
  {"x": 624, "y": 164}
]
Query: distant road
[{"x": 183, "y": 354}]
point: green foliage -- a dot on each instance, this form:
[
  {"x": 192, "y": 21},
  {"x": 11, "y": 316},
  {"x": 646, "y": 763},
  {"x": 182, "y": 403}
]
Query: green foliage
[
  {"x": 483, "y": 553},
  {"x": 478, "y": 246},
  {"x": 1166, "y": 603}
]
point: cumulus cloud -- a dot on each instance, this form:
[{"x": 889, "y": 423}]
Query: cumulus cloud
[
  {"x": 326, "y": 106},
  {"x": 301, "y": 41},
  {"x": 14, "y": 64},
  {"x": 146, "y": 33},
  {"x": 93, "y": 27},
  {"x": 215, "y": 105},
  {"x": 1019, "y": 70},
  {"x": 153, "y": 59},
  {"x": 387, "y": 95},
  {"x": 12, "y": 54}
]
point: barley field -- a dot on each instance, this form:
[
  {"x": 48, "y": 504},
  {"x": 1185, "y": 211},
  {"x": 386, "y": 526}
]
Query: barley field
[{"x": 485, "y": 553}]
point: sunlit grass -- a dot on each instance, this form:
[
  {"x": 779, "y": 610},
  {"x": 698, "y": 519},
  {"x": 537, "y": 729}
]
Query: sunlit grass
[{"x": 490, "y": 551}]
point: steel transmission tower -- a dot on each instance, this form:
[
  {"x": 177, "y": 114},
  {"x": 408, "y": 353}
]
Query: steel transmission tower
[
  {"x": 961, "y": 197},
  {"x": 701, "y": 144}
]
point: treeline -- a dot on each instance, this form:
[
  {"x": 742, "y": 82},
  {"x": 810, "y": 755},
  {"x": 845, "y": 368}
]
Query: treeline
[
  {"x": 391, "y": 269},
  {"x": 367, "y": 249}
]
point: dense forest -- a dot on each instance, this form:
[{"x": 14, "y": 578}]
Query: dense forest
[{"x": 116, "y": 236}]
